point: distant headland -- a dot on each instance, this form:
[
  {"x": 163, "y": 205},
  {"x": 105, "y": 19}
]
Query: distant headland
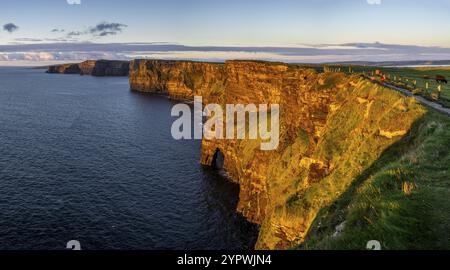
[{"x": 98, "y": 68}]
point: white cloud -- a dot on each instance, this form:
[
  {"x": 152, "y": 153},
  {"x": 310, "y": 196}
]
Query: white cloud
[
  {"x": 74, "y": 2},
  {"x": 57, "y": 56},
  {"x": 77, "y": 52},
  {"x": 374, "y": 2}
]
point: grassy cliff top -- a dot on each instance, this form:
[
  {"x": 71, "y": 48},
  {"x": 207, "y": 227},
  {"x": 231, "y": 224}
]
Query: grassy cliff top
[{"x": 402, "y": 200}]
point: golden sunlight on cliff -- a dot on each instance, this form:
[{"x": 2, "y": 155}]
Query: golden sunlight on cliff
[{"x": 333, "y": 127}]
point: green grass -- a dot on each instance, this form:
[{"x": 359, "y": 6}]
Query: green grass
[
  {"x": 408, "y": 78},
  {"x": 402, "y": 200}
]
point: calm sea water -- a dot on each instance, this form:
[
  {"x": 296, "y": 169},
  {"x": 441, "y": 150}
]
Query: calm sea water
[{"x": 84, "y": 158}]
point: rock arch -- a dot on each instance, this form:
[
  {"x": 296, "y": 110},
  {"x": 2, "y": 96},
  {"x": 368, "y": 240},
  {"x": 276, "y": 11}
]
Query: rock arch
[{"x": 218, "y": 159}]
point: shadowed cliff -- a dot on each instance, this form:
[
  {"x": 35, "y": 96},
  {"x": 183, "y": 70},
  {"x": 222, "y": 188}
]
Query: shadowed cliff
[{"x": 98, "y": 68}]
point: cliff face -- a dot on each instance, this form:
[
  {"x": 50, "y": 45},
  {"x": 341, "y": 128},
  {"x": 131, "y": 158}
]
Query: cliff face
[
  {"x": 95, "y": 68},
  {"x": 333, "y": 128},
  {"x": 64, "y": 69},
  {"x": 177, "y": 79}
]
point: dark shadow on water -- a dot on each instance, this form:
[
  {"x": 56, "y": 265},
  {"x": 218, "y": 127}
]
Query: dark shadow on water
[{"x": 223, "y": 195}]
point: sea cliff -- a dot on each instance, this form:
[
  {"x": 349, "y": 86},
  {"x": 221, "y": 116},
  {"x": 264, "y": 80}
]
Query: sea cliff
[
  {"x": 98, "y": 68},
  {"x": 177, "y": 79},
  {"x": 334, "y": 127}
]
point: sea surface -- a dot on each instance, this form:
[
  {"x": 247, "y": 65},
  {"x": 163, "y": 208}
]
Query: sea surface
[{"x": 83, "y": 158}]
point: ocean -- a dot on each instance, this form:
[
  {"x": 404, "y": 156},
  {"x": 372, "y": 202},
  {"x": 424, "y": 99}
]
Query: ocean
[{"x": 84, "y": 158}]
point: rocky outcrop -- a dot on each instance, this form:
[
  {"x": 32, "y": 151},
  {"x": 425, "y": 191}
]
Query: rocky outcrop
[
  {"x": 333, "y": 128},
  {"x": 65, "y": 69},
  {"x": 98, "y": 68}
]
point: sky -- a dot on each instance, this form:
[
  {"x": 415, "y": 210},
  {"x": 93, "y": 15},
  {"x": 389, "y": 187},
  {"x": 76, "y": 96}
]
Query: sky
[{"x": 312, "y": 30}]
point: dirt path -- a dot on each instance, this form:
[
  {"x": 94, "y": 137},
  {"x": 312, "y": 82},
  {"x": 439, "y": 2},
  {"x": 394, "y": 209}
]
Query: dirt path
[{"x": 438, "y": 107}]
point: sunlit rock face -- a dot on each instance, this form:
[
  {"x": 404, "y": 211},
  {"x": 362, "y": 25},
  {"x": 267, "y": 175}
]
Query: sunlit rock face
[
  {"x": 98, "y": 68},
  {"x": 333, "y": 128},
  {"x": 177, "y": 79}
]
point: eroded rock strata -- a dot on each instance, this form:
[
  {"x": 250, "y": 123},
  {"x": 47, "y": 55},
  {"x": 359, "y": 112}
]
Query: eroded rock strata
[
  {"x": 333, "y": 128},
  {"x": 178, "y": 79},
  {"x": 98, "y": 68}
]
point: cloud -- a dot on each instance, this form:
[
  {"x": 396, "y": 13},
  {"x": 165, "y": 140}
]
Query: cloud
[
  {"x": 100, "y": 30},
  {"x": 74, "y": 2},
  {"x": 75, "y": 34},
  {"x": 57, "y": 30},
  {"x": 107, "y": 29},
  {"x": 10, "y": 27},
  {"x": 374, "y": 2},
  {"x": 106, "y": 33},
  {"x": 75, "y": 51},
  {"x": 28, "y": 39}
]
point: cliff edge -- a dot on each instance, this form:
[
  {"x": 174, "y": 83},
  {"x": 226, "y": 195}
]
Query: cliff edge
[
  {"x": 334, "y": 128},
  {"x": 97, "y": 68}
]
